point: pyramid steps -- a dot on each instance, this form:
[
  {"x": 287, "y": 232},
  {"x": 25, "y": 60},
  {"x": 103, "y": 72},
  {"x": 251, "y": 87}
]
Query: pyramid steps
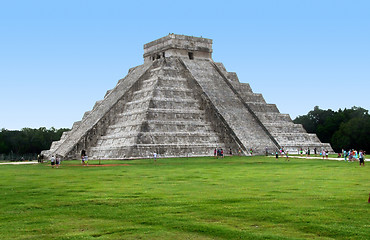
[
  {"x": 162, "y": 112},
  {"x": 242, "y": 123},
  {"x": 263, "y": 107},
  {"x": 280, "y": 126}
]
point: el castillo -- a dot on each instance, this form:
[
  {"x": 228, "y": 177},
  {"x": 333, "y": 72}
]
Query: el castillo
[{"x": 178, "y": 103}]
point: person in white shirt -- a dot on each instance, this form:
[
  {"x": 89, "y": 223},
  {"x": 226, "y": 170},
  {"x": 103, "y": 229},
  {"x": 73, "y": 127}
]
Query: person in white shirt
[
  {"x": 155, "y": 156},
  {"x": 52, "y": 161}
]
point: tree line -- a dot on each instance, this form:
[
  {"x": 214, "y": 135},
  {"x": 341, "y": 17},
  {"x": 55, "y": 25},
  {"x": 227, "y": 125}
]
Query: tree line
[
  {"x": 15, "y": 144},
  {"x": 343, "y": 129}
]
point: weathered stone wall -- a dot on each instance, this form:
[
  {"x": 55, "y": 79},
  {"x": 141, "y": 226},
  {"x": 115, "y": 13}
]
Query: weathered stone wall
[
  {"x": 178, "y": 45},
  {"x": 240, "y": 120}
]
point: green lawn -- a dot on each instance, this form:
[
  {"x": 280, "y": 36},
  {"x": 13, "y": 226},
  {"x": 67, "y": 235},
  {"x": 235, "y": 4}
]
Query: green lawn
[{"x": 195, "y": 198}]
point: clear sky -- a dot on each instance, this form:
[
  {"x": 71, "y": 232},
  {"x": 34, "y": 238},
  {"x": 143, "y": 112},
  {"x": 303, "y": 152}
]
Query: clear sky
[{"x": 58, "y": 57}]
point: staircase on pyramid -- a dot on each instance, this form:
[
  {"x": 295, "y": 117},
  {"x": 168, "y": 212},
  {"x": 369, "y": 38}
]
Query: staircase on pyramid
[{"x": 180, "y": 103}]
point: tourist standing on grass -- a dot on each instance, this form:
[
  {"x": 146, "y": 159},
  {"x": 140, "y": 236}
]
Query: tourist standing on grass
[
  {"x": 57, "y": 161},
  {"x": 215, "y": 153},
  {"x": 86, "y": 158},
  {"x": 277, "y": 155},
  {"x": 327, "y": 154},
  {"x": 315, "y": 151},
  {"x": 323, "y": 154},
  {"x": 155, "y": 156},
  {"x": 83, "y": 154},
  {"x": 286, "y": 155},
  {"x": 251, "y": 152},
  {"x": 345, "y": 155},
  {"x": 52, "y": 161},
  {"x": 362, "y": 158}
]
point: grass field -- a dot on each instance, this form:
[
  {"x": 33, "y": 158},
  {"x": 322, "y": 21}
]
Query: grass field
[{"x": 194, "y": 198}]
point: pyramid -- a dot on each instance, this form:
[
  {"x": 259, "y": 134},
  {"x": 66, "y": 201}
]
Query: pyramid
[{"x": 181, "y": 103}]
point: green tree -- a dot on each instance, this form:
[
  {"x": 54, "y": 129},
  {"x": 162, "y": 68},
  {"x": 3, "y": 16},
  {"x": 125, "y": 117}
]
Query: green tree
[
  {"x": 346, "y": 128},
  {"x": 28, "y": 140}
]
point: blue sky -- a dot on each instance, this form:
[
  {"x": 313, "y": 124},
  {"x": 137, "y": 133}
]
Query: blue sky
[{"x": 58, "y": 57}]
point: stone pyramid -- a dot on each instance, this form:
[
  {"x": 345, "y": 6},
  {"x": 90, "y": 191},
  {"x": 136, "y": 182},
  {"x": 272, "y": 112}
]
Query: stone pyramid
[{"x": 181, "y": 103}]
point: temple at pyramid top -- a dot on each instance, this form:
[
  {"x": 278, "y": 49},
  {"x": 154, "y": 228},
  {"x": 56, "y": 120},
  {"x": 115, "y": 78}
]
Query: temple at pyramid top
[
  {"x": 179, "y": 46},
  {"x": 181, "y": 103}
]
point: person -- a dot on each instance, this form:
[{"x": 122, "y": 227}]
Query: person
[
  {"x": 309, "y": 152},
  {"x": 239, "y": 152},
  {"x": 301, "y": 151},
  {"x": 323, "y": 154},
  {"x": 231, "y": 152},
  {"x": 277, "y": 155},
  {"x": 327, "y": 154},
  {"x": 215, "y": 153},
  {"x": 222, "y": 153},
  {"x": 155, "y": 156},
  {"x": 57, "y": 161},
  {"x": 266, "y": 151},
  {"x": 315, "y": 151},
  {"x": 286, "y": 155},
  {"x": 218, "y": 152},
  {"x": 251, "y": 152},
  {"x": 83, "y": 152},
  {"x": 52, "y": 161},
  {"x": 362, "y": 158},
  {"x": 86, "y": 160},
  {"x": 345, "y": 155}
]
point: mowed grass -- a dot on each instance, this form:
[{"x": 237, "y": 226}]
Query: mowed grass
[{"x": 194, "y": 198}]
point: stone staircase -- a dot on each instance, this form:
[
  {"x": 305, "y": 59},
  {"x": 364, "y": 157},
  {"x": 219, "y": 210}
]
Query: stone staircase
[
  {"x": 163, "y": 116},
  {"x": 243, "y": 125}
]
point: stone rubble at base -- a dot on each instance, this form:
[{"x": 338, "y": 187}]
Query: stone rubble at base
[{"x": 180, "y": 103}]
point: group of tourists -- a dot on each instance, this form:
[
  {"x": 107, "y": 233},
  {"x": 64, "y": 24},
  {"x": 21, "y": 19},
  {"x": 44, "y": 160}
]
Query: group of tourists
[
  {"x": 218, "y": 153},
  {"x": 324, "y": 153},
  {"x": 282, "y": 152},
  {"x": 55, "y": 161},
  {"x": 40, "y": 158},
  {"x": 354, "y": 155}
]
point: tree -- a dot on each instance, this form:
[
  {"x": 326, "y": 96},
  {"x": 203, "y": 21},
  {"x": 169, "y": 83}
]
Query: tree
[
  {"x": 354, "y": 134},
  {"x": 345, "y": 129},
  {"x": 28, "y": 140}
]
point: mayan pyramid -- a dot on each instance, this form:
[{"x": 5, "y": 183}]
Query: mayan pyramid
[{"x": 181, "y": 103}]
